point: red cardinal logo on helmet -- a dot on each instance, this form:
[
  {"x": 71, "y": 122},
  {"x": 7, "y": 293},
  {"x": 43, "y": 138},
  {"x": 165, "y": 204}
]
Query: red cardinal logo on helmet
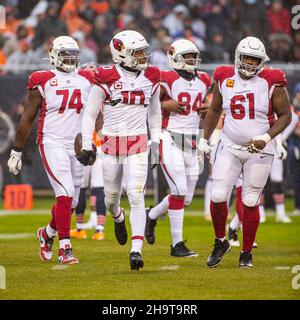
[
  {"x": 171, "y": 51},
  {"x": 118, "y": 44}
]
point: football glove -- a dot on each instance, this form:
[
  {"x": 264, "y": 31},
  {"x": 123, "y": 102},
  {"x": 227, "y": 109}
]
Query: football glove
[
  {"x": 203, "y": 146},
  {"x": 87, "y": 157},
  {"x": 280, "y": 149},
  {"x": 14, "y": 162}
]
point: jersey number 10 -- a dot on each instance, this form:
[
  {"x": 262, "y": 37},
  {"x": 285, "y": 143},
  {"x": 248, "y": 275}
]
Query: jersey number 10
[{"x": 73, "y": 103}]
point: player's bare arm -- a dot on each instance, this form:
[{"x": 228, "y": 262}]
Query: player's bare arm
[
  {"x": 281, "y": 105},
  {"x": 99, "y": 123},
  {"x": 171, "y": 104},
  {"x": 32, "y": 106},
  {"x": 214, "y": 112}
]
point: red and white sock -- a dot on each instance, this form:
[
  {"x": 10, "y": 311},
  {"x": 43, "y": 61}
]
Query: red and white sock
[
  {"x": 279, "y": 205},
  {"x": 80, "y": 221},
  {"x": 51, "y": 227},
  {"x": 250, "y": 226},
  {"x": 219, "y": 213},
  {"x": 63, "y": 216},
  {"x": 51, "y": 230},
  {"x": 160, "y": 209},
  {"x": 120, "y": 217},
  {"x": 65, "y": 244},
  {"x": 176, "y": 214},
  {"x": 100, "y": 222},
  {"x": 239, "y": 203}
]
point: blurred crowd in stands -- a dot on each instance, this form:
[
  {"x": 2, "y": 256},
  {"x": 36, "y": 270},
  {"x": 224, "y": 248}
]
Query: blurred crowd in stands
[{"x": 215, "y": 26}]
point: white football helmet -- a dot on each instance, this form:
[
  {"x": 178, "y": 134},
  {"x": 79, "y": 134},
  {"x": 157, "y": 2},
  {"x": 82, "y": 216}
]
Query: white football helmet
[
  {"x": 64, "y": 53},
  {"x": 253, "y": 47},
  {"x": 175, "y": 55},
  {"x": 123, "y": 46}
]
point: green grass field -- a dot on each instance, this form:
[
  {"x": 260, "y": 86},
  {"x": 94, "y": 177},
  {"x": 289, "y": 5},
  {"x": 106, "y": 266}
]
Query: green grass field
[{"x": 104, "y": 272}]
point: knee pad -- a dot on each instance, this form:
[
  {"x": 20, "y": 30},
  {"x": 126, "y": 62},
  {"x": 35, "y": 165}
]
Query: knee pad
[
  {"x": 100, "y": 204},
  {"x": 276, "y": 187},
  {"x": 218, "y": 195},
  {"x": 112, "y": 200},
  {"x": 251, "y": 200},
  {"x": 136, "y": 198},
  {"x": 81, "y": 203}
]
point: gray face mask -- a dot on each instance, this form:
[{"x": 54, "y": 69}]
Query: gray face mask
[{"x": 250, "y": 1}]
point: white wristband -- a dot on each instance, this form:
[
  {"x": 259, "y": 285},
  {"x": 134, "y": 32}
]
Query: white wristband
[
  {"x": 267, "y": 137},
  {"x": 16, "y": 153},
  {"x": 264, "y": 137}
]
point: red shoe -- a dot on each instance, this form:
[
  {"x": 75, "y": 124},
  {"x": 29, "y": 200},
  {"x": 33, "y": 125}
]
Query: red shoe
[
  {"x": 66, "y": 256},
  {"x": 46, "y": 244}
]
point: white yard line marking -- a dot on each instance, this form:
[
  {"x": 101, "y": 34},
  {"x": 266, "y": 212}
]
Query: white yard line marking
[
  {"x": 24, "y": 212},
  {"x": 42, "y": 212},
  {"x": 11, "y": 236},
  {"x": 174, "y": 267},
  {"x": 282, "y": 268},
  {"x": 59, "y": 267}
]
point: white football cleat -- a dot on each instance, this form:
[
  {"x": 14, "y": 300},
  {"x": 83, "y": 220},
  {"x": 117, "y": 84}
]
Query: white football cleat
[{"x": 283, "y": 219}]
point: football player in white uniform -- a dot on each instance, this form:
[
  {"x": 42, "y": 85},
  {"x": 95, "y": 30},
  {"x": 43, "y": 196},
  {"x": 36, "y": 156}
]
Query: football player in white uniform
[
  {"x": 127, "y": 94},
  {"x": 250, "y": 95},
  {"x": 182, "y": 92},
  {"x": 60, "y": 96}
]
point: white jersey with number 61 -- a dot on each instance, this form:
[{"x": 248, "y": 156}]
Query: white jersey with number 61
[{"x": 247, "y": 103}]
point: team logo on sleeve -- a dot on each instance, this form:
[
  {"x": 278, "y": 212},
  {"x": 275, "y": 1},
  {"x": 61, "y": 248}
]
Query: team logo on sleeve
[
  {"x": 229, "y": 83},
  {"x": 118, "y": 44},
  {"x": 53, "y": 82}
]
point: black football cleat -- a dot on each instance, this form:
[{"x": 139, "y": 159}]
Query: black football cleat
[
  {"x": 120, "y": 231},
  {"x": 220, "y": 248},
  {"x": 150, "y": 226},
  {"x": 181, "y": 250},
  {"x": 246, "y": 260},
  {"x": 233, "y": 237},
  {"x": 136, "y": 261}
]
